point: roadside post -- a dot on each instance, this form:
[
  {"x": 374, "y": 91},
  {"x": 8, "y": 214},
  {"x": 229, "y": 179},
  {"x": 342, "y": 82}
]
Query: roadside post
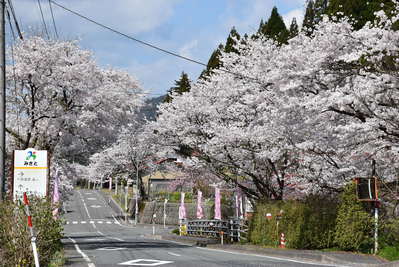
[
  {"x": 32, "y": 234},
  {"x": 278, "y": 218},
  {"x": 126, "y": 197},
  {"x": 154, "y": 216},
  {"x": 164, "y": 212}
]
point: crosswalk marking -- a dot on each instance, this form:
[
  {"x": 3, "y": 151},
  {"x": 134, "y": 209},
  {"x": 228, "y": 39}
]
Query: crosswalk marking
[{"x": 92, "y": 222}]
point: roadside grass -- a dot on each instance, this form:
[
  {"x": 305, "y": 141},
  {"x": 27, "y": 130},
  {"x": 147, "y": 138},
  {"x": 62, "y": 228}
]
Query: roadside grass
[
  {"x": 390, "y": 253},
  {"x": 58, "y": 259}
]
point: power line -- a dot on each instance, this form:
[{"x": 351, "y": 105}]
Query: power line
[
  {"x": 43, "y": 20},
  {"x": 154, "y": 46},
  {"x": 11, "y": 6},
  {"x": 52, "y": 16}
]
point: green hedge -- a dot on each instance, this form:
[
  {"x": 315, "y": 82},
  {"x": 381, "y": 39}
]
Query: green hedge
[
  {"x": 306, "y": 225},
  {"x": 354, "y": 224}
]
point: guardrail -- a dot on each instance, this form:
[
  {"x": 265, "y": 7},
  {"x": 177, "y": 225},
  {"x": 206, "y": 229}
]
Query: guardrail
[{"x": 233, "y": 229}]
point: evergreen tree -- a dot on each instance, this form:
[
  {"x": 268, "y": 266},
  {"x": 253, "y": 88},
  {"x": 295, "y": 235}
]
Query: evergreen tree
[
  {"x": 231, "y": 41},
  {"x": 360, "y": 10},
  {"x": 320, "y": 8},
  {"x": 213, "y": 62},
  {"x": 293, "y": 29},
  {"x": 181, "y": 86},
  {"x": 308, "y": 24},
  {"x": 275, "y": 28}
]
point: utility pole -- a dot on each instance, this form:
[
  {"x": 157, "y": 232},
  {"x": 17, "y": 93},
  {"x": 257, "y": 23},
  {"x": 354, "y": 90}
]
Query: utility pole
[{"x": 2, "y": 102}]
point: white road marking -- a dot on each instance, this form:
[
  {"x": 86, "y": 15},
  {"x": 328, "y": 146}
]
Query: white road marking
[
  {"x": 95, "y": 206},
  {"x": 115, "y": 220},
  {"x": 100, "y": 222},
  {"x": 269, "y": 257},
  {"x": 109, "y": 222},
  {"x": 67, "y": 222},
  {"x": 92, "y": 222},
  {"x": 87, "y": 259},
  {"x": 174, "y": 254},
  {"x": 110, "y": 248},
  {"x": 92, "y": 198},
  {"x": 110, "y": 237},
  {"x": 84, "y": 204},
  {"x": 142, "y": 262},
  {"x": 74, "y": 222},
  {"x": 83, "y": 222}
]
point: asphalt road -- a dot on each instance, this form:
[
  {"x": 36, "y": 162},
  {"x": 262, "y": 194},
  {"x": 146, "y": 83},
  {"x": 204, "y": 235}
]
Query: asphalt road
[{"x": 94, "y": 237}]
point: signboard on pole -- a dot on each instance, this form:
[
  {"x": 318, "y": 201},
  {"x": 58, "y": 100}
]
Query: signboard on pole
[
  {"x": 30, "y": 173},
  {"x": 367, "y": 188}
]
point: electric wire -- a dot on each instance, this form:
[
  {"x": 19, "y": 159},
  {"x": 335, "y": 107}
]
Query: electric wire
[
  {"x": 52, "y": 16},
  {"x": 9, "y": 22},
  {"x": 43, "y": 20},
  {"x": 154, "y": 46},
  {"x": 13, "y": 66},
  {"x": 11, "y": 6}
]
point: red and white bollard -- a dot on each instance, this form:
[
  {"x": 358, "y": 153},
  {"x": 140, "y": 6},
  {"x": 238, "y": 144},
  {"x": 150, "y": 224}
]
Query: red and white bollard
[
  {"x": 32, "y": 234},
  {"x": 282, "y": 240}
]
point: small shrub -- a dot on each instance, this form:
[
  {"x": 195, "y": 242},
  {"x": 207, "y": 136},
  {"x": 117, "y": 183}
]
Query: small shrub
[
  {"x": 353, "y": 230},
  {"x": 176, "y": 231},
  {"x": 15, "y": 235},
  {"x": 390, "y": 253}
]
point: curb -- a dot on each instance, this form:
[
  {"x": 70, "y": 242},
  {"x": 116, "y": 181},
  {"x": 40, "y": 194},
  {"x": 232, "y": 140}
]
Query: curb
[{"x": 309, "y": 256}]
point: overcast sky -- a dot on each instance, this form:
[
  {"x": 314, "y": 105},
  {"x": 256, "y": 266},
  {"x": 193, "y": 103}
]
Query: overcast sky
[{"x": 192, "y": 28}]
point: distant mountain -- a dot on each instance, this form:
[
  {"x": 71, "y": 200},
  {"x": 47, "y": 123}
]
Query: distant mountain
[{"x": 149, "y": 109}]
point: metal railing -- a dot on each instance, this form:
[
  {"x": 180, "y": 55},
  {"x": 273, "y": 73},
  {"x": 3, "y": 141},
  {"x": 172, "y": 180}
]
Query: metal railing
[{"x": 233, "y": 229}]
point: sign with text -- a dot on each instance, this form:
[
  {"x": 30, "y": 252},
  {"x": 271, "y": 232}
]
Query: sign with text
[{"x": 30, "y": 173}]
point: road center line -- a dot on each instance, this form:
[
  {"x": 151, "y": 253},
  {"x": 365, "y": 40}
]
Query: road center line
[
  {"x": 85, "y": 257},
  {"x": 84, "y": 204}
]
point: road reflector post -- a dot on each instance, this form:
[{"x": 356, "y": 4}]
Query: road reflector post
[
  {"x": 282, "y": 241},
  {"x": 32, "y": 233},
  {"x": 221, "y": 237}
]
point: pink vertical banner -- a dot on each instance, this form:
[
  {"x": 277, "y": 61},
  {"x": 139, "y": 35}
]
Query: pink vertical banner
[
  {"x": 182, "y": 207},
  {"x": 56, "y": 195},
  {"x": 200, "y": 212},
  {"x": 218, "y": 215},
  {"x": 238, "y": 206}
]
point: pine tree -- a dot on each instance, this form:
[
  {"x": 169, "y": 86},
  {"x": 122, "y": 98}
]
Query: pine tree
[
  {"x": 231, "y": 41},
  {"x": 308, "y": 24},
  {"x": 320, "y": 8},
  {"x": 294, "y": 30},
  {"x": 213, "y": 62},
  {"x": 181, "y": 86},
  {"x": 275, "y": 28},
  {"x": 360, "y": 10}
]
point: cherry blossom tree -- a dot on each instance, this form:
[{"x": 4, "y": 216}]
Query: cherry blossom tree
[
  {"x": 304, "y": 117},
  {"x": 60, "y": 100}
]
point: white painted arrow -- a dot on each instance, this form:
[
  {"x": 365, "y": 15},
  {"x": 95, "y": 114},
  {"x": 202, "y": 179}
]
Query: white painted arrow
[{"x": 145, "y": 262}]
